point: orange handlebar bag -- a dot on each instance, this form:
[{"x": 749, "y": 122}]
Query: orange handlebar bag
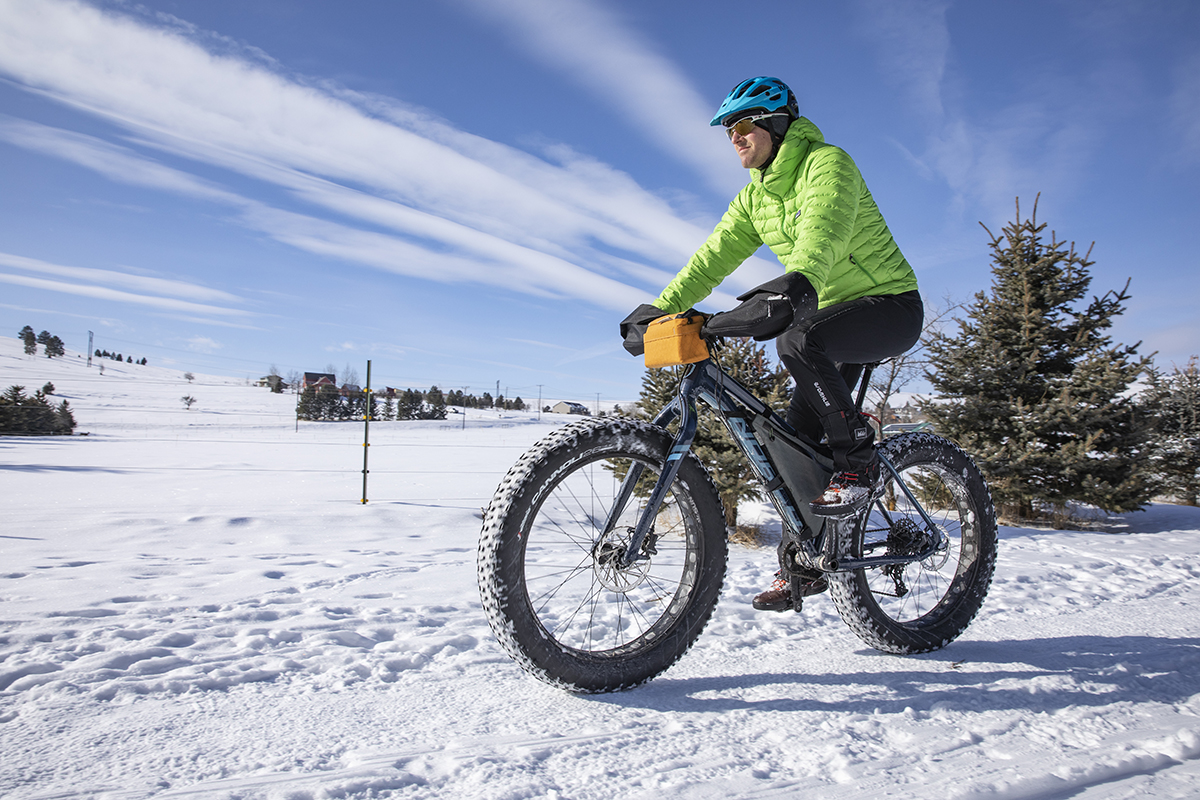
[{"x": 675, "y": 339}]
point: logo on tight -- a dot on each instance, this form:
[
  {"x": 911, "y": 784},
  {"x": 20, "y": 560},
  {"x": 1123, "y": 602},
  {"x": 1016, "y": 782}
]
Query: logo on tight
[{"x": 824, "y": 399}]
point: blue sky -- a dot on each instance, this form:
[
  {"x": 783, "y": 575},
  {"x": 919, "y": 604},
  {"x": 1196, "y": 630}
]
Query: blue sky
[{"x": 470, "y": 192}]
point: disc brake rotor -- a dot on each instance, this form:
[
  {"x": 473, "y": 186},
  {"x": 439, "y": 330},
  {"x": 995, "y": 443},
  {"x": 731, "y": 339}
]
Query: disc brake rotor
[{"x": 606, "y": 562}]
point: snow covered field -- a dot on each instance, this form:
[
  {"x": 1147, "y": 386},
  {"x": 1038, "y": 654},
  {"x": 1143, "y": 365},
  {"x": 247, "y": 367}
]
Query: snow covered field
[{"x": 197, "y": 604}]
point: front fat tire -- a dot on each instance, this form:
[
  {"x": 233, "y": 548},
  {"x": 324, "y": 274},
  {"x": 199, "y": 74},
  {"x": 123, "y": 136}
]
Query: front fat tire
[
  {"x": 945, "y": 591},
  {"x": 562, "y": 617}
]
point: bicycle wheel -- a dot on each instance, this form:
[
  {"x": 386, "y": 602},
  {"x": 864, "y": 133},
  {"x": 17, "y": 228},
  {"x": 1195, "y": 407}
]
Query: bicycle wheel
[
  {"x": 923, "y": 605},
  {"x": 553, "y": 595}
]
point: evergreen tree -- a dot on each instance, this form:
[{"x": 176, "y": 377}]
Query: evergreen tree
[
  {"x": 1032, "y": 386},
  {"x": 345, "y": 408},
  {"x": 13, "y": 410},
  {"x": 746, "y": 361},
  {"x": 27, "y": 336},
  {"x": 435, "y": 404},
  {"x": 1175, "y": 451},
  {"x": 64, "y": 422},
  {"x": 409, "y": 405},
  {"x": 389, "y": 408},
  {"x": 328, "y": 403},
  {"x": 486, "y": 400},
  {"x": 353, "y": 406},
  {"x": 659, "y": 387},
  {"x": 307, "y": 406},
  {"x": 518, "y": 404},
  {"x": 21, "y": 414}
]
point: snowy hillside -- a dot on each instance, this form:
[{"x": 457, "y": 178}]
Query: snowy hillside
[{"x": 196, "y": 603}]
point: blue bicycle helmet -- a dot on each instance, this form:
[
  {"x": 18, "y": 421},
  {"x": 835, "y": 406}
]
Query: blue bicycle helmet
[{"x": 768, "y": 94}]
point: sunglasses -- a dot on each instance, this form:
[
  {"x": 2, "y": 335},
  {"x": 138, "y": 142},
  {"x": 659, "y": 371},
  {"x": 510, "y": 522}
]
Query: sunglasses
[{"x": 746, "y": 124}]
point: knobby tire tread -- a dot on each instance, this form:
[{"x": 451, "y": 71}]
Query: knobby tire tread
[
  {"x": 960, "y": 604},
  {"x": 501, "y": 553}
]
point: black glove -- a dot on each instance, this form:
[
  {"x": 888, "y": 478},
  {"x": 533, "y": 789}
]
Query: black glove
[
  {"x": 767, "y": 310},
  {"x": 633, "y": 327}
]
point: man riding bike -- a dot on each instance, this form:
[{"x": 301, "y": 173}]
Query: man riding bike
[{"x": 847, "y": 296}]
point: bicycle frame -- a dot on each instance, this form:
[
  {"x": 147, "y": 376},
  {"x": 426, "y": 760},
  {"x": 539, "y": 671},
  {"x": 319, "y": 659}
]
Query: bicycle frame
[{"x": 742, "y": 412}]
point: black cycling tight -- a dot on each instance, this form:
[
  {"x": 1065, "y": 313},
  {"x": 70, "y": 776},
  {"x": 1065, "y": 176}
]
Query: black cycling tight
[{"x": 825, "y": 352}]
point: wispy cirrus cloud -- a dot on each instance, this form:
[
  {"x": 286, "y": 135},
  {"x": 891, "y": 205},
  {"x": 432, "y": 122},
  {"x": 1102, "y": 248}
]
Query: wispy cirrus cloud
[
  {"x": 112, "y": 161},
  {"x": 440, "y": 204},
  {"x": 913, "y": 42},
  {"x": 107, "y": 277},
  {"x": 203, "y": 344},
  {"x": 172, "y": 302},
  {"x": 988, "y": 155},
  {"x": 590, "y": 43}
]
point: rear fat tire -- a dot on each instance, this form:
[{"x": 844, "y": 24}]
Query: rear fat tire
[
  {"x": 552, "y": 605},
  {"x": 946, "y": 590}
]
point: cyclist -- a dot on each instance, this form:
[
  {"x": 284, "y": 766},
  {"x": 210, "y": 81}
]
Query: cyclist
[{"x": 847, "y": 296}]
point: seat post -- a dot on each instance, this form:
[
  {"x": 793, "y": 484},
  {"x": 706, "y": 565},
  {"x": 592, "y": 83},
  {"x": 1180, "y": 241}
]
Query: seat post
[{"x": 863, "y": 383}]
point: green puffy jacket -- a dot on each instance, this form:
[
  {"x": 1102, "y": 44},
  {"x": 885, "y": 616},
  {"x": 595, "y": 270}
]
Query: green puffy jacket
[{"x": 812, "y": 208}]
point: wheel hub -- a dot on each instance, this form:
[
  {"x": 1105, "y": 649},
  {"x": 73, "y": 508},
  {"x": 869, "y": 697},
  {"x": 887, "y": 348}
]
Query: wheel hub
[
  {"x": 906, "y": 539},
  {"x": 607, "y": 556}
]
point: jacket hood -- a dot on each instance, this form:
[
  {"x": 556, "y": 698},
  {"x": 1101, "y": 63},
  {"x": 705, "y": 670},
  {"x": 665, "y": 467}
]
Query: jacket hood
[{"x": 801, "y": 135}]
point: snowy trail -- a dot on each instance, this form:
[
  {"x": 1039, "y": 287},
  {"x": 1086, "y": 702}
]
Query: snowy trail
[{"x": 195, "y": 604}]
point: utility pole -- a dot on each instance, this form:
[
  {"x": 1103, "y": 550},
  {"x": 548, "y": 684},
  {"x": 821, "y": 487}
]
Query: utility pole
[
  {"x": 366, "y": 427},
  {"x": 89, "y": 348},
  {"x": 539, "y": 402}
]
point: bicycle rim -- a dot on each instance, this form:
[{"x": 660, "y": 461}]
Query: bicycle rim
[
  {"x": 577, "y": 591},
  {"x": 911, "y": 592}
]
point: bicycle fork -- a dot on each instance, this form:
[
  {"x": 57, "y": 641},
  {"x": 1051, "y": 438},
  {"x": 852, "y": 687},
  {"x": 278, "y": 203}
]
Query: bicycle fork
[
  {"x": 683, "y": 407},
  {"x": 698, "y": 382}
]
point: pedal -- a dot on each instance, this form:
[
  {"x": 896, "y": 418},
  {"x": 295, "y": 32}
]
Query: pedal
[{"x": 803, "y": 586}]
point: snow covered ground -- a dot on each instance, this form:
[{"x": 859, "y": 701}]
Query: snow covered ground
[{"x": 195, "y": 603}]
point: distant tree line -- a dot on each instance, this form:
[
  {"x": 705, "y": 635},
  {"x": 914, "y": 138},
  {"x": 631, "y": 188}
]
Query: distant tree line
[
  {"x": 326, "y": 403},
  {"x": 410, "y": 404},
  {"x": 34, "y": 415},
  {"x": 51, "y": 344},
  {"x": 118, "y": 357},
  {"x": 457, "y": 397}
]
